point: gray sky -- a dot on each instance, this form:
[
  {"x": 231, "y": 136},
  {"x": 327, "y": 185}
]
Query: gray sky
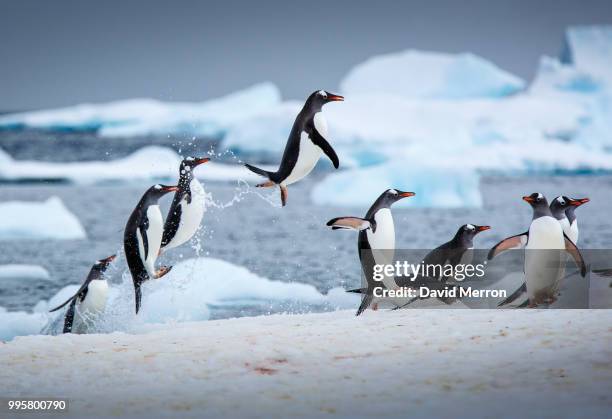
[{"x": 61, "y": 52}]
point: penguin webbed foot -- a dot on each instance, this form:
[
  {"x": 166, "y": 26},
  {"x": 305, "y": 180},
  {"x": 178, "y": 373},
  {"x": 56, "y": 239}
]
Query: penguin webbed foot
[
  {"x": 162, "y": 271},
  {"x": 267, "y": 184}
]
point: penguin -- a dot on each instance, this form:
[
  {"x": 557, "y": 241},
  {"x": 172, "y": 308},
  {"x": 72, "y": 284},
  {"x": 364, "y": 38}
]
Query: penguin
[
  {"x": 559, "y": 207},
  {"x": 543, "y": 261},
  {"x": 89, "y": 300},
  {"x": 307, "y": 141},
  {"x": 187, "y": 208},
  {"x": 458, "y": 251},
  {"x": 142, "y": 238},
  {"x": 376, "y": 241}
]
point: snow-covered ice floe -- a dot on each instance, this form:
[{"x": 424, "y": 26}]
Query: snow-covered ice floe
[
  {"x": 491, "y": 363},
  {"x": 138, "y": 117},
  {"x": 39, "y": 220},
  {"x": 416, "y": 74},
  {"x": 189, "y": 292},
  {"x": 149, "y": 163},
  {"x": 20, "y": 271}
]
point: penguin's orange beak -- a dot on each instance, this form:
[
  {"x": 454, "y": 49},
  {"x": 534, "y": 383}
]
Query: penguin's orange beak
[
  {"x": 170, "y": 188},
  {"x": 202, "y": 160},
  {"x": 528, "y": 199},
  {"x": 407, "y": 194},
  {"x": 578, "y": 202},
  {"x": 108, "y": 259},
  {"x": 335, "y": 98},
  {"x": 483, "y": 228}
]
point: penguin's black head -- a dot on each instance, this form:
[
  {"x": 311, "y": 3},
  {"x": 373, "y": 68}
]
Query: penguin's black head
[
  {"x": 536, "y": 200},
  {"x": 319, "y": 98},
  {"x": 559, "y": 205},
  {"x": 572, "y": 205},
  {"x": 157, "y": 191},
  {"x": 102, "y": 264},
  {"x": 189, "y": 163},
  {"x": 391, "y": 196},
  {"x": 467, "y": 232}
]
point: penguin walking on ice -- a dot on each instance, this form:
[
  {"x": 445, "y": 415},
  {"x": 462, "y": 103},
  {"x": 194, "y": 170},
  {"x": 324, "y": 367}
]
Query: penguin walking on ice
[
  {"x": 376, "y": 241},
  {"x": 143, "y": 236},
  {"x": 187, "y": 208},
  {"x": 458, "y": 251},
  {"x": 89, "y": 300},
  {"x": 562, "y": 208},
  {"x": 544, "y": 262},
  {"x": 307, "y": 141}
]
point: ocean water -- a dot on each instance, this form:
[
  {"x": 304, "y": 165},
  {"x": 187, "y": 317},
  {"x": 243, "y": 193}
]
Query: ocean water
[{"x": 247, "y": 227}]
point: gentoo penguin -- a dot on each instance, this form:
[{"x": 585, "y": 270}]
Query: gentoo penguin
[
  {"x": 187, "y": 209},
  {"x": 544, "y": 263},
  {"x": 559, "y": 207},
  {"x": 89, "y": 300},
  {"x": 142, "y": 238},
  {"x": 307, "y": 140},
  {"x": 459, "y": 250},
  {"x": 376, "y": 242}
]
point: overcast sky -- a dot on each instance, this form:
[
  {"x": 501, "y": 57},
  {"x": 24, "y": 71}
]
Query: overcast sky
[{"x": 61, "y": 52}]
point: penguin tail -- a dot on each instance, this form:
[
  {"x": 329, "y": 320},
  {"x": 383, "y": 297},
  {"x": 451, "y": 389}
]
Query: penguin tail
[
  {"x": 365, "y": 303},
  {"x": 260, "y": 172}
]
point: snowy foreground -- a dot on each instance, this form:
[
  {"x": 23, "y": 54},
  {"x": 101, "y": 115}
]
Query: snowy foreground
[{"x": 409, "y": 363}]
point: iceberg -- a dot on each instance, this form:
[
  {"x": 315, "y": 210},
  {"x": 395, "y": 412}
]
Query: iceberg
[
  {"x": 143, "y": 117},
  {"x": 147, "y": 164},
  {"x": 21, "y": 272},
  {"x": 434, "y": 187},
  {"x": 416, "y": 74},
  {"x": 589, "y": 49},
  {"x": 39, "y": 220}
]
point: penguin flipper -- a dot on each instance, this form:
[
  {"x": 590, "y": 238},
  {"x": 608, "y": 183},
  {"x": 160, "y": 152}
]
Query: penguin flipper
[
  {"x": 143, "y": 227},
  {"x": 137, "y": 296},
  {"x": 512, "y": 242},
  {"x": 358, "y": 290},
  {"x": 172, "y": 225},
  {"x": 603, "y": 272},
  {"x": 349, "y": 223},
  {"x": 318, "y": 140},
  {"x": 573, "y": 250},
  {"x": 69, "y": 319}
]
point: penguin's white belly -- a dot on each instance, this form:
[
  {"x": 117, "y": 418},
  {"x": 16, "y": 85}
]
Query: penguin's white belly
[
  {"x": 573, "y": 232},
  {"x": 382, "y": 242},
  {"x": 191, "y": 215},
  {"x": 544, "y": 258},
  {"x": 308, "y": 156},
  {"x": 154, "y": 238},
  {"x": 95, "y": 300}
]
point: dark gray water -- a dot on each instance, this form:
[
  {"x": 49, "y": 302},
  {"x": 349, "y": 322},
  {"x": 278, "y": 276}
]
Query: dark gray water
[{"x": 288, "y": 244}]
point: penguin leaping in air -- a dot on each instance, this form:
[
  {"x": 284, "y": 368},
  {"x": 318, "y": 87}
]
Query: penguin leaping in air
[
  {"x": 89, "y": 300},
  {"x": 543, "y": 242},
  {"x": 143, "y": 236},
  {"x": 307, "y": 141},
  {"x": 376, "y": 242},
  {"x": 188, "y": 206}
]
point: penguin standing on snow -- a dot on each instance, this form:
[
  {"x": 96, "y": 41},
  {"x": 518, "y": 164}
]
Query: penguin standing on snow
[
  {"x": 89, "y": 300},
  {"x": 458, "y": 251},
  {"x": 142, "y": 238},
  {"x": 544, "y": 263},
  {"x": 307, "y": 141},
  {"x": 188, "y": 206},
  {"x": 376, "y": 242}
]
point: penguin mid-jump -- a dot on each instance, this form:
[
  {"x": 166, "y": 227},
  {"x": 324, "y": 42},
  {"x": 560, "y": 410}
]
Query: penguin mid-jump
[
  {"x": 376, "y": 242},
  {"x": 89, "y": 300},
  {"x": 188, "y": 206},
  {"x": 543, "y": 262},
  {"x": 307, "y": 140},
  {"x": 142, "y": 238}
]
